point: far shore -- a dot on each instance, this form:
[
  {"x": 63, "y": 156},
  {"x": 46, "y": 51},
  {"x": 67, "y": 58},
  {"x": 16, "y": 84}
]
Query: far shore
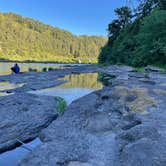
[{"x": 28, "y": 61}]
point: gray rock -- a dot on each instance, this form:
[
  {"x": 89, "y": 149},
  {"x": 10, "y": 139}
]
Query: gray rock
[
  {"x": 143, "y": 152},
  {"x": 139, "y": 75},
  {"x": 23, "y": 116},
  {"x": 153, "y": 69}
]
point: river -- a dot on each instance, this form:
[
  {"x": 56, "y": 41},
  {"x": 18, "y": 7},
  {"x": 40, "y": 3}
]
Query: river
[{"x": 5, "y": 67}]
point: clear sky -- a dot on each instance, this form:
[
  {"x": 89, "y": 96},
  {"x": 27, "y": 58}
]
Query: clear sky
[{"x": 80, "y": 17}]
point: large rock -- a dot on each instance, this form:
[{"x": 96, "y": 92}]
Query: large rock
[
  {"x": 23, "y": 116},
  {"x": 77, "y": 136},
  {"x": 153, "y": 69}
]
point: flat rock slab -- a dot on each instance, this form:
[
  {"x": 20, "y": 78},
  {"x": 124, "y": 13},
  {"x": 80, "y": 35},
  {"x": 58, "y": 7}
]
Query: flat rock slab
[
  {"x": 153, "y": 69},
  {"x": 120, "y": 125},
  {"x": 76, "y": 138},
  {"x": 23, "y": 116}
]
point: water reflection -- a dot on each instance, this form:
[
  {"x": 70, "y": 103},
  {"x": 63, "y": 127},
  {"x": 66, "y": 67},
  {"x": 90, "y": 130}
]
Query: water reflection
[
  {"x": 76, "y": 87},
  {"x": 5, "y": 67},
  {"x": 9, "y": 86},
  {"x": 85, "y": 80}
]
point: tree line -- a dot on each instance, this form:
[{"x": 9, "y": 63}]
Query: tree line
[
  {"x": 137, "y": 37},
  {"x": 25, "y": 39}
]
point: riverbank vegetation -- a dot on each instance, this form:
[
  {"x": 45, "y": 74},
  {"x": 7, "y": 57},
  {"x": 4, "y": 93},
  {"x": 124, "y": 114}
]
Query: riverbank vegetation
[
  {"x": 24, "y": 39},
  {"x": 138, "y": 37}
]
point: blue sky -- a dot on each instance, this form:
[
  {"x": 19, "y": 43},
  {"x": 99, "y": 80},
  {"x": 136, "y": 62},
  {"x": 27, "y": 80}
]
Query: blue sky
[{"x": 80, "y": 17}]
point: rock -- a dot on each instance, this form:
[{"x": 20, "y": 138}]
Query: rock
[
  {"x": 139, "y": 131},
  {"x": 143, "y": 152},
  {"x": 139, "y": 75},
  {"x": 76, "y": 136},
  {"x": 153, "y": 69},
  {"x": 75, "y": 72},
  {"x": 23, "y": 116},
  {"x": 136, "y": 99},
  {"x": 147, "y": 80},
  {"x": 120, "y": 68},
  {"x": 77, "y": 163},
  {"x": 99, "y": 122},
  {"x": 8, "y": 91}
]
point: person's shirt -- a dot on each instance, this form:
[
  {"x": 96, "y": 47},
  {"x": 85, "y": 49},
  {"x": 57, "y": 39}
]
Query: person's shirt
[{"x": 17, "y": 69}]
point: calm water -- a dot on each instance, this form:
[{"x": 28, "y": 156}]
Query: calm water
[
  {"x": 78, "y": 85},
  {"x": 5, "y": 86},
  {"x": 8, "y": 86},
  {"x": 5, "y": 66}
]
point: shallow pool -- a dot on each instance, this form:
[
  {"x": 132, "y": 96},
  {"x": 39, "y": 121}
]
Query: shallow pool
[{"x": 78, "y": 85}]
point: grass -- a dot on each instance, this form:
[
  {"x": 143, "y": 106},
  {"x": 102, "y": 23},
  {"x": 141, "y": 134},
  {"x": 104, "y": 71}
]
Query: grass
[
  {"x": 61, "y": 105},
  {"x": 140, "y": 69},
  {"x": 141, "y": 101},
  {"x": 104, "y": 78}
]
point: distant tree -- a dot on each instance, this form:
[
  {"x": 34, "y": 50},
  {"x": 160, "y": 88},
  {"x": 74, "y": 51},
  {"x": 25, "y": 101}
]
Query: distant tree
[{"x": 27, "y": 39}]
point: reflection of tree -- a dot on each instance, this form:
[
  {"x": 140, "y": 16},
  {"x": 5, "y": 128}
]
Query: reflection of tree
[{"x": 88, "y": 80}]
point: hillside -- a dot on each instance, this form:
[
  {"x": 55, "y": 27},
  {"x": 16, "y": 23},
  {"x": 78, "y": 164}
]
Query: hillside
[
  {"x": 137, "y": 38},
  {"x": 26, "y": 39}
]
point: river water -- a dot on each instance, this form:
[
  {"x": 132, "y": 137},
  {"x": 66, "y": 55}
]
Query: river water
[{"x": 5, "y": 66}]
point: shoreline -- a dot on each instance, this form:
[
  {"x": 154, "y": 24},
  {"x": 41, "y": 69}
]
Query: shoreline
[{"x": 53, "y": 62}]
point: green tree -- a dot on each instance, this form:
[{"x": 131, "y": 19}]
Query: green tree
[
  {"x": 124, "y": 15},
  {"x": 140, "y": 42}
]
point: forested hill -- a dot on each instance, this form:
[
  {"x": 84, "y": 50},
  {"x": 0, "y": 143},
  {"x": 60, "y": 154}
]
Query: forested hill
[
  {"x": 137, "y": 38},
  {"x": 26, "y": 39}
]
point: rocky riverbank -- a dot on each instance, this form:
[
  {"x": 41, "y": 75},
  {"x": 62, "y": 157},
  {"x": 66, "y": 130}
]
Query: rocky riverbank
[
  {"x": 24, "y": 115},
  {"x": 122, "y": 124}
]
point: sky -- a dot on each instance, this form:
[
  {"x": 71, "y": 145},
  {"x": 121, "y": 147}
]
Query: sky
[{"x": 80, "y": 17}]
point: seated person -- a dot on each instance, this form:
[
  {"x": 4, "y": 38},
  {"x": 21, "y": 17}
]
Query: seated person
[{"x": 15, "y": 68}]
